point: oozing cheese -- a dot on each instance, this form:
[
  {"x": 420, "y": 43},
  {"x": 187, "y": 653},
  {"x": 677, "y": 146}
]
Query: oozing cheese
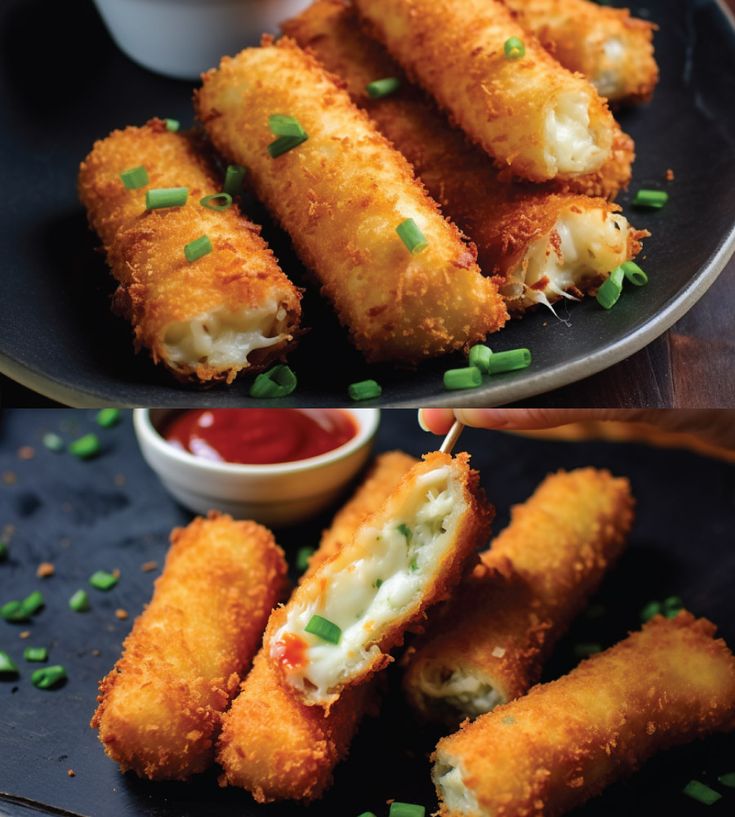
[
  {"x": 454, "y": 693},
  {"x": 571, "y": 146},
  {"x": 447, "y": 777},
  {"x": 608, "y": 79}
]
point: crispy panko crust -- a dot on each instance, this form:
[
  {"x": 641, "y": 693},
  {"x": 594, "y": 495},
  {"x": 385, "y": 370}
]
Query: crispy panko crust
[
  {"x": 272, "y": 744},
  {"x": 537, "y": 575},
  {"x": 341, "y": 195},
  {"x": 454, "y": 49},
  {"x": 502, "y": 218},
  {"x": 157, "y": 286},
  {"x": 160, "y": 707},
  {"x": 473, "y": 529},
  {"x": 565, "y": 741},
  {"x": 576, "y": 33}
]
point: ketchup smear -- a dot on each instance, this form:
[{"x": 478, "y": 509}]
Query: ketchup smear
[{"x": 259, "y": 436}]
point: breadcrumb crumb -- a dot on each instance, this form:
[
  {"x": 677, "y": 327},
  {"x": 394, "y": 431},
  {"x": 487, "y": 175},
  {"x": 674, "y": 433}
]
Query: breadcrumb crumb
[{"x": 44, "y": 570}]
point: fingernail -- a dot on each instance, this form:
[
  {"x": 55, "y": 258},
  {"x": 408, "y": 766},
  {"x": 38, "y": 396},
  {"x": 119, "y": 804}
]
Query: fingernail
[{"x": 424, "y": 427}]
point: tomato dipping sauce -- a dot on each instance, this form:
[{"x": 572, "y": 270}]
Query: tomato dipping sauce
[{"x": 259, "y": 436}]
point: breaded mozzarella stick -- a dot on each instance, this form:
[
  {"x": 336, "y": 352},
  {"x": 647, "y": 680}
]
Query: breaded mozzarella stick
[
  {"x": 529, "y": 113},
  {"x": 342, "y": 195},
  {"x": 338, "y": 627},
  {"x": 564, "y": 742},
  {"x": 160, "y": 707},
  {"x": 272, "y": 744},
  {"x": 490, "y": 645},
  {"x": 541, "y": 244},
  {"x": 611, "y": 48},
  {"x": 228, "y": 311}
]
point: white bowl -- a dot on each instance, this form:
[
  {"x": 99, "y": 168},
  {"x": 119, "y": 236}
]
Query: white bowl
[
  {"x": 182, "y": 38},
  {"x": 274, "y": 495}
]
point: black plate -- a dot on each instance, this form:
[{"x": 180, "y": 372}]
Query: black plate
[
  {"x": 78, "y": 516},
  {"x": 57, "y": 334}
]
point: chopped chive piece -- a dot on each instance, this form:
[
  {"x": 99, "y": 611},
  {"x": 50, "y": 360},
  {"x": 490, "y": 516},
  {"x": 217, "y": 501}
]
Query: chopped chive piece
[
  {"x": 284, "y": 144},
  {"x": 480, "y": 357},
  {"x": 3, "y": 551},
  {"x": 281, "y": 124},
  {"x": 102, "y": 580},
  {"x": 413, "y": 565},
  {"x": 405, "y": 530},
  {"x": 367, "y": 814},
  {"x": 53, "y": 442},
  {"x": 378, "y": 584},
  {"x": 406, "y": 810},
  {"x": 33, "y": 603},
  {"x": 211, "y": 201},
  {"x": 514, "y": 48},
  {"x": 7, "y": 665},
  {"x": 134, "y": 178},
  {"x": 585, "y": 650},
  {"x": 703, "y": 794},
  {"x": 324, "y": 629},
  {"x": 673, "y": 613},
  {"x": 655, "y": 199},
  {"x": 673, "y": 603},
  {"x": 13, "y": 611},
  {"x": 509, "y": 361},
  {"x": 380, "y": 88},
  {"x": 469, "y": 378},
  {"x": 108, "y": 417},
  {"x": 35, "y": 654},
  {"x": 85, "y": 447},
  {"x": 411, "y": 236},
  {"x": 79, "y": 602},
  {"x": 48, "y": 677},
  {"x": 172, "y": 125},
  {"x": 197, "y": 248},
  {"x": 728, "y": 780},
  {"x": 653, "y": 608},
  {"x": 280, "y": 381},
  {"x": 162, "y": 197},
  {"x": 364, "y": 390},
  {"x": 302, "y": 558},
  {"x": 609, "y": 293},
  {"x": 634, "y": 274},
  {"x": 234, "y": 178}
]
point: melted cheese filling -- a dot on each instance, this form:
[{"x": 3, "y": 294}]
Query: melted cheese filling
[
  {"x": 608, "y": 79},
  {"x": 400, "y": 556},
  {"x": 447, "y": 777},
  {"x": 571, "y": 146},
  {"x": 454, "y": 694}
]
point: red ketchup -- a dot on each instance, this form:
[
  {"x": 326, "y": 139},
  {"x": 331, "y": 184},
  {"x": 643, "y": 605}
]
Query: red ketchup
[{"x": 259, "y": 436}]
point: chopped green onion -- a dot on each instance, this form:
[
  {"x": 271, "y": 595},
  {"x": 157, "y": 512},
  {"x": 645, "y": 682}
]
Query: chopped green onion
[
  {"x": 413, "y": 565},
  {"x": 3, "y": 551},
  {"x": 609, "y": 293},
  {"x": 7, "y": 665},
  {"x": 703, "y": 794},
  {"x": 405, "y": 530},
  {"x": 102, "y": 580},
  {"x": 134, "y": 178},
  {"x": 33, "y": 603},
  {"x": 585, "y": 650},
  {"x": 655, "y": 199},
  {"x": 364, "y": 390},
  {"x": 377, "y": 584},
  {"x": 13, "y": 611},
  {"x": 653, "y": 608},
  {"x": 162, "y": 197},
  {"x": 411, "y": 236},
  {"x": 380, "y": 88},
  {"x": 509, "y": 361},
  {"x": 234, "y": 178},
  {"x": 324, "y": 629},
  {"x": 48, "y": 677},
  {"x": 367, "y": 814},
  {"x": 280, "y": 381},
  {"x": 728, "y": 780},
  {"x": 480, "y": 357},
  {"x": 210, "y": 201},
  {"x": 406, "y": 810},
  {"x": 172, "y": 125},
  {"x": 469, "y": 378},
  {"x": 53, "y": 442},
  {"x": 108, "y": 417},
  {"x": 85, "y": 447},
  {"x": 302, "y": 558},
  {"x": 514, "y": 48},
  {"x": 35, "y": 654},
  {"x": 673, "y": 603},
  {"x": 79, "y": 602},
  {"x": 197, "y": 248},
  {"x": 281, "y": 124},
  {"x": 634, "y": 274},
  {"x": 284, "y": 144}
]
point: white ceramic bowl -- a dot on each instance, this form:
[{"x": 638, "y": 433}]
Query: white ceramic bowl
[
  {"x": 275, "y": 495},
  {"x": 182, "y": 38}
]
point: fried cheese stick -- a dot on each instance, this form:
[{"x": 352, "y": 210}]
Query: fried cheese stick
[
  {"x": 271, "y": 743},
  {"x": 540, "y": 244},
  {"x": 342, "y": 194},
  {"x": 565, "y": 741},
  {"x": 611, "y": 48},
  {"x": 160, "y": 707},
  {"x": 230, "y": 310},
  {"x": 529, "y": 113},
  {"x": 490, "y": 645},
  {"x": 402, "y": 560}
]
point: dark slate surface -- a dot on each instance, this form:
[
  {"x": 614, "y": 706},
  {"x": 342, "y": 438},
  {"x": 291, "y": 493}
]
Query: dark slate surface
[{"x": 78, "y": 516}]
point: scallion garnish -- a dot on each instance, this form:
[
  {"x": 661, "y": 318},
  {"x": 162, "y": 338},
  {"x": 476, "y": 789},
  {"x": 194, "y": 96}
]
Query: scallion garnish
[
  {"x": 280, "y": 381},
  {"x": 364, "y": 390},
  {"x": 48, "y": 677},
  {"x": 134, "y": 178},
  {"x": 609, "y": 293},
  {"x": 406, "y": 810},
  {"x": 514, "y": 48},
  {"x": 380, "y": 88},
  {"x": 85, "y": 447},
  {"x": 728, "y": 780},
  {"x": 13, "y": 611},
  {"x": 217, "y": 201},
  {"x": 197, "y": 248},
  {"x": 172, "y": 125},
  {"x": 703, "y": 794},
  {"x": 653, "y": 608},
  {"x": 367, "y": 814},
  {"x": 234, "y": 177},
  {"x": 79, "y": 602},
  {"x": 411, "y": 236},
  {"x": 634, "y": 274},
  {"x": 7, "y": 665},
  {"x": 323, "y": 628},
  {"x": 53, "y": 442},
  {"x": 33, "y": 603},
  {"x": 108, "y": 417},
  {"x": 377, "y": 584},
  {"x": 510, "y": 361},
  {"x": 102, "y": 580},
  {"x": 284, "y": 144},
  {"x": 480, "y": 357},
  {"x": 468, "y": 378},
  {"x": 162, "y": 197},
  {"x": 655, "y": 199},
  {"x": 35, "y": 654},
  {"x": 302, "y": 558},
  {"x": 405, "y": 531},
  {"x": 283, "y": 125}
]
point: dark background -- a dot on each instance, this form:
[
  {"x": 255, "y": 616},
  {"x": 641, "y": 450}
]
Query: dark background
[{"x": 112, "y": 512}]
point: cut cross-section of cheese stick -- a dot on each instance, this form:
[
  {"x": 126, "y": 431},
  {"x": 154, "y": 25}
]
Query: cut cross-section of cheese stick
[
  {"x": 230, "y": 310},
  {"x": 272, "y": 744},
  {"x": 340, "y": 624},
  {"x": 610, "y": 47},
  {"x": 565, "y": 741},
  {"x": 489, "y": 646},
  {"x": 160, "y": 707},
  {"x": 524, "y": 109},
  {"x": 342, "y": 195},
  {"x": 540, "y": 243}
]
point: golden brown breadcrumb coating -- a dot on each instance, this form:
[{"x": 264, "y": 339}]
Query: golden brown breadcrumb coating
[
  {"x": 159, "y": 291},
  {"x": 160, "y": 707},
  {"x": 565, "y": 741},
  {"x": 341, "y": 195}
]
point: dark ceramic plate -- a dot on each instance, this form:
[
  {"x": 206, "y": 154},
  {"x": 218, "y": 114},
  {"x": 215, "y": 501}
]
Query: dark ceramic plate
[{"x": 60, "y": 92}]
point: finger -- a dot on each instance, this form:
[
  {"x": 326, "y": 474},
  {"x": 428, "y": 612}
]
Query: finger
[{"x": 436, "y": 421}]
